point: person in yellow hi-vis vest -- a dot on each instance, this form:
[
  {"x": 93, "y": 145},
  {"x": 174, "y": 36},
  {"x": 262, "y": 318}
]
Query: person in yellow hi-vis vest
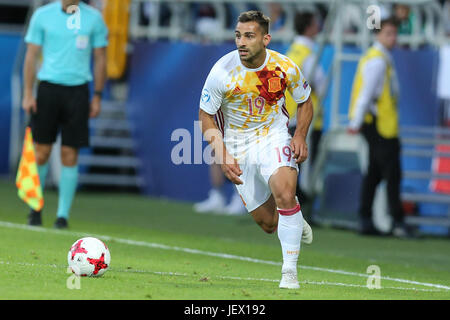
[
  {"x": 374, "y": 113},
  {"x": 301, "y": 51}
]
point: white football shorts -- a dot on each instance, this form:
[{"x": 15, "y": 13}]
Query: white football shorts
[{"x": 261, "y": 162}]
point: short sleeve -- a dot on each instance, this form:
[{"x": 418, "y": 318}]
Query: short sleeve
[
  {"x": 297, "y": 85},
  {"x": 35, "y": 32},
  {"x": 212, "y": 93},
  {"x": 100, "y": 36}
]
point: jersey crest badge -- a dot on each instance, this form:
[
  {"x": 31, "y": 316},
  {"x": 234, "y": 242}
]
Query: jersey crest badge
[{"x": 274, "y": 84}]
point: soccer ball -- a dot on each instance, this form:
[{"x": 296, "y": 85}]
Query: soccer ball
[{"x": 89, "y": 257}]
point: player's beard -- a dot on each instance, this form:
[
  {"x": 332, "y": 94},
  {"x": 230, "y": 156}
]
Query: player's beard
[{"x": 250, "y": 58}]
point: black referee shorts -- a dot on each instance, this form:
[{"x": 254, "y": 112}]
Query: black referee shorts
[{"x": 64, "y": 108}]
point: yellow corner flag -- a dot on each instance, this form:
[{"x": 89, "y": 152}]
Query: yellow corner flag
[{"x": 27, "y": 180}]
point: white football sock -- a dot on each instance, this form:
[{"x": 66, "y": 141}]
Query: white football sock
[{"x": 290, "y": 227}]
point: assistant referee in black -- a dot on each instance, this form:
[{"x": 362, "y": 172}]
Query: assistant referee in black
[{"x": 66, "y": 32}]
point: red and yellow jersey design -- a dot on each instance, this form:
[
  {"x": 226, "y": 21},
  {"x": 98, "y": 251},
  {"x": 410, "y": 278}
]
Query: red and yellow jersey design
[{"x": 249, "y": 104}]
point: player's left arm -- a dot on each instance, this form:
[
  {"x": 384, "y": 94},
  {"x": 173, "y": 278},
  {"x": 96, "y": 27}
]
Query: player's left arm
[
  {"x": 300, "y": 91},
  {"x": 299, "y": 146}
]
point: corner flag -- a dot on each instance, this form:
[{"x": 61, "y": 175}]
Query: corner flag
[{"x": 27, "y": 180}]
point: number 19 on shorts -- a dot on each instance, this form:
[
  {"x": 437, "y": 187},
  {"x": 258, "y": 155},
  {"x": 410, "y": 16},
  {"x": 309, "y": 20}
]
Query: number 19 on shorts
[{"x": 284, "y": 152}]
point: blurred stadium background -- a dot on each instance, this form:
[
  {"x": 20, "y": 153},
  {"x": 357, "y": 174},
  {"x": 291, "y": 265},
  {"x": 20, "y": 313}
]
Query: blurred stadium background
[{"x": 159, "y": 56}]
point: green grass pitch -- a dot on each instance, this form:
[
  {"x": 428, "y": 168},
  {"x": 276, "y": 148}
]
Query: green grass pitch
[{"x": 161, "y": 249}]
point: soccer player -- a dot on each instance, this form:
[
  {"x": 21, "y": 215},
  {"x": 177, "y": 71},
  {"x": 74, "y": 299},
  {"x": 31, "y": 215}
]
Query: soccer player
[
  {"x": 66, "y": 32},
  {"x": 245, "y": 90}
]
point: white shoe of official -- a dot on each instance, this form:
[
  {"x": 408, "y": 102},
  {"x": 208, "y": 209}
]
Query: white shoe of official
[
  {"x": 214, "y": 203},
  {"x": 289, "y": 279},
  {"x": 307, "y": 234},
  {"x": 235, "y": 207}
]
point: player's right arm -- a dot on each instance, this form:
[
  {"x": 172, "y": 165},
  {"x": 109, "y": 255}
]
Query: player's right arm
[
  {"x": 212, "y": 134},
  {"x": 210, "y": 102},
  {"x": 29, "y": 75}
]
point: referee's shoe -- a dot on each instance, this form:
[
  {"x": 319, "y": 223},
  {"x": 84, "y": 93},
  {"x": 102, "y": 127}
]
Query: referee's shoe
[
  {"x": 61, "y": 223},
  {"x": 34, "y": 218}
]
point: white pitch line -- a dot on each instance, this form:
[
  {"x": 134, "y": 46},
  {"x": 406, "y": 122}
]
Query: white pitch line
[
  {"x": 178, "y": 274},
  {"x": 212, "y": 254}
]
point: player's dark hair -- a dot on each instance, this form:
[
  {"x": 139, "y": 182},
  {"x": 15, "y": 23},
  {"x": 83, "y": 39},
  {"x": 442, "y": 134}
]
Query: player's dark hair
[
  {"x": 392, "y": 21},
  {"x": 302, "y": 21},
  {"x": 256, "y": 16}
]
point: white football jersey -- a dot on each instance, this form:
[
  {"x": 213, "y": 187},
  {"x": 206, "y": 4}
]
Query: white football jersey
[{"x": 249, "y": 104}]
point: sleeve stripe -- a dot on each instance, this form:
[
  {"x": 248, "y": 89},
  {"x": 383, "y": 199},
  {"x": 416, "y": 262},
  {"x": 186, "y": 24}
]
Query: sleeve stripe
[
  {"x": 285, "y": 112},
  {"x": 220, "y": 122}
]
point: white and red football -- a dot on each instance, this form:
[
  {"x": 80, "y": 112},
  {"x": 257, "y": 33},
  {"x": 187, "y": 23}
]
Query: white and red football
[{"x": 89, "y": 257}]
